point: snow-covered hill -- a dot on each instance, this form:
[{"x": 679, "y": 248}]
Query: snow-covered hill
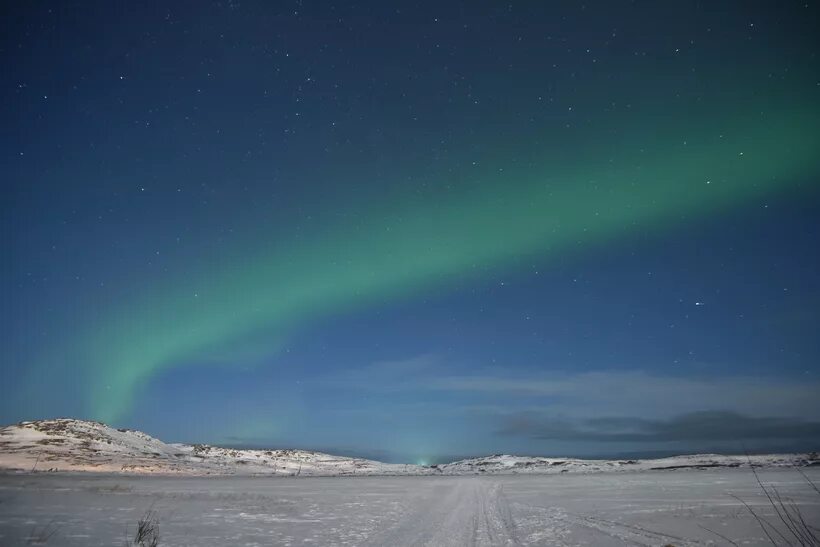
[
  {"x": 535, "y": 465},
  {"x": 77, "y": 445}
]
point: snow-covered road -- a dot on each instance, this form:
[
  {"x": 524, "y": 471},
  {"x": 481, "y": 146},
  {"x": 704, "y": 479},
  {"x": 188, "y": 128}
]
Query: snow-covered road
[
  {"x": 650, "y": 508},
  {"x": 467, "y": 511}
]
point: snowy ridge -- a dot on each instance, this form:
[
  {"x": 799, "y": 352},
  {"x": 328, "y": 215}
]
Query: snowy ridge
[
  {"x": 507, "y": 464},
  {"x": 76, "y": 445}
]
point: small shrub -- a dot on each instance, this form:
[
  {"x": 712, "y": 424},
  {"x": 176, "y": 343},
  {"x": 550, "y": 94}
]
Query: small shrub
[
  {"x": 40, "y": 536},
  {"x": 793, "y": 529},
  {"x": 147, "y": 534}
]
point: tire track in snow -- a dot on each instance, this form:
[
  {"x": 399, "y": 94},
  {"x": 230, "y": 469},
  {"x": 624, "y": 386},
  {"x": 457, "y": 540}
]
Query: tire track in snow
[
  {"x": 555, "y": 526},
  {"x": 633, "y": 534},
  {"x": 468, "y": 513}
]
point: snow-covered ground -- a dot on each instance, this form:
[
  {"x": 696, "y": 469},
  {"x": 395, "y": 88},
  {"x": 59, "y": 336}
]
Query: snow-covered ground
[
  {"x": 70, "y": 482},
  {"x": 81, "y": 446},
  {"x": 678, "y": 507}
]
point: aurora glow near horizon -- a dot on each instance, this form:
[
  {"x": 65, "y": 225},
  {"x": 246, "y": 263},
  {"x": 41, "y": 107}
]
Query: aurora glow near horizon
[{"x": 253, "y": 229}]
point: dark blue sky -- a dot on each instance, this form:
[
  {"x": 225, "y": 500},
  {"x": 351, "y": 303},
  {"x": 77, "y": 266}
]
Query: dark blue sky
[{"x": 416, "y": 233}]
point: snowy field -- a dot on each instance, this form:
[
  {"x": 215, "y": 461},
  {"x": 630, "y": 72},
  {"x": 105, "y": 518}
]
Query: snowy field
[{"x": 641, "y": 508}]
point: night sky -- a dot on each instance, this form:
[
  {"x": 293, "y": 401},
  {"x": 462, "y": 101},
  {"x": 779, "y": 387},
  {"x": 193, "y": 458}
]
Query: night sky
[{"x": 415, "y": 231}]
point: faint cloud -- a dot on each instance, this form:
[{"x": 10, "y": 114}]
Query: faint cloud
[
  {"x": 590, "y": 396},
  {"x": 695, "y": 426},
  {"x": 386, "y": 376},
  {"x": 628, "y": 393}
]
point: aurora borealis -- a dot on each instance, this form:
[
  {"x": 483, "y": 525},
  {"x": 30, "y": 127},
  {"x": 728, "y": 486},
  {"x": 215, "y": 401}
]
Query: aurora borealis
[{"x": 366, "y": 229}]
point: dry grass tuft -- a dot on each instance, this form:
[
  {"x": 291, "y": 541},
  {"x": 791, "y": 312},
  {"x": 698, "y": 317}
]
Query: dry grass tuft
[{"x": 147, "y": 534}]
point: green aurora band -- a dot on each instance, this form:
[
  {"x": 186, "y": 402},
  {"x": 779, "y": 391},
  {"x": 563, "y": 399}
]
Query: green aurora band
[{"x": 418, "y": 242}]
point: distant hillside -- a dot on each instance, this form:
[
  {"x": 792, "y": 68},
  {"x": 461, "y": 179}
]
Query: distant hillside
[
  {"x": 77, "y": 445},
  {"x": 535, "y": 465},
  {"x": 81, "y": 446}
]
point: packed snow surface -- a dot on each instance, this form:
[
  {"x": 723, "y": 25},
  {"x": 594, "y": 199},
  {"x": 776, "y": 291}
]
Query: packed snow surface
[
  {"x": 681, "y": 507},
  {"x": 76, "y": 445}
]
